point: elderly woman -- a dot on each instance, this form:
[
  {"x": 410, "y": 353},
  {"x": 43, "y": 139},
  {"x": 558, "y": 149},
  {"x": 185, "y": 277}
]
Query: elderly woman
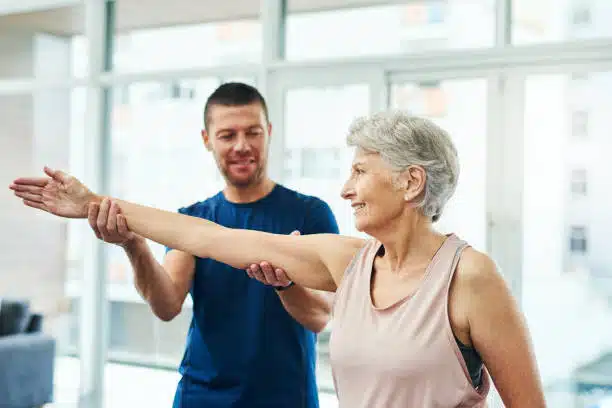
[{"x": 420, "y": 318}]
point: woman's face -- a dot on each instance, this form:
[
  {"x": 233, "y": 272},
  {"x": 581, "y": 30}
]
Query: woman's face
[{"x": 375, "y": 193}]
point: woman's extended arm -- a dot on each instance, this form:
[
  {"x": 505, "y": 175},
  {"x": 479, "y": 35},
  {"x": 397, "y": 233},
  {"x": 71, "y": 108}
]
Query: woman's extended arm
[{"x": 314, "y": 261}]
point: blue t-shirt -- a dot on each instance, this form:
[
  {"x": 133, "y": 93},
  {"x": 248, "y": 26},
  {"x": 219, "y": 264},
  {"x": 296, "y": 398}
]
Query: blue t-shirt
[{"x": 243, "y": 348}]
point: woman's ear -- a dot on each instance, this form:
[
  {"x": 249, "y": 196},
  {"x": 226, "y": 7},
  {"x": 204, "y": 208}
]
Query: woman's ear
[{"x": 413, "y": 179}]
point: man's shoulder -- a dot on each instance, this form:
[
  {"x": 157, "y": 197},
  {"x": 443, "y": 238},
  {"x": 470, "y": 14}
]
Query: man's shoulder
[
  {"x": 200, "y": 208},
  {"x": 318, "y": 215},
  {"x": 299, "y": 197}
]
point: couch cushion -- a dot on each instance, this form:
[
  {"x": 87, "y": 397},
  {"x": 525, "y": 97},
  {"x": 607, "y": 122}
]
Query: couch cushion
[
  {"x": 35, "y": 323},
  {"x": 14, "y": 316}
]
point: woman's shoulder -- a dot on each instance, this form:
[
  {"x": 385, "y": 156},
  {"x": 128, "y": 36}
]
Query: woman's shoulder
[{"x": 476, "y": 270}]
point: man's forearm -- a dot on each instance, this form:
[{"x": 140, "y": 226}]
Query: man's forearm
[
  {"x": 152, "y": 281},
  {"x": 311, "y": 308}
]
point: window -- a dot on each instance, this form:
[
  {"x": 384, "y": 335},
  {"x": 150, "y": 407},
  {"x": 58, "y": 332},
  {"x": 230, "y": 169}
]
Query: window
[
  {"x": 424, "y": 98},
  {"x": 436, "y": 12},
  {"x": 580, "y": 124},
  {"x": 156, "y": 141},
  {"x": 553, "y": 21},
  {"x": 561, "y": 236},
  {"x": 318, "y": 162},
  {"x": 579, "y": 182},
  {"x": 578, "y": 239},
  {"x": 579, "y": 77},
  {"x": 460, "y": 107},
  {"x": 313, "y": 163},
  {"x": 388, "y": 29},
  {"x": 201, "y": 45}
]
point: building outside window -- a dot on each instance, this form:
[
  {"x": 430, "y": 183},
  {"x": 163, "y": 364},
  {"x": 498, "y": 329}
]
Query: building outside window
[
  {"x": 578, "y": 183},
  {"x": 581, "y": 15},
  {"x": 580, "y": 124},
  {"x": 578, "y": 240}
]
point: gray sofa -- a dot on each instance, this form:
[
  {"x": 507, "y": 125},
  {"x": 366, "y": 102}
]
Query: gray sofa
[{"x": 27, "y": 357}]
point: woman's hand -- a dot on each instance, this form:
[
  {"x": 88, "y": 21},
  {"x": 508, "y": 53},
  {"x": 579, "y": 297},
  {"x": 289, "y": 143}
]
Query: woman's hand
[{"x": 59, "y": 194}]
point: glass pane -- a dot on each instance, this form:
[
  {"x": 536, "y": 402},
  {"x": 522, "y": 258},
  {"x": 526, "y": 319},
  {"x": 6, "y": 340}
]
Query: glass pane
[
  {"x": 566, "y": 243},
  {"x": 159, "y": 159},
  {"x": 460, "y": 107},
  {"x": 158, "y": 156},
  {"x": 39, "y": 44},
  {"x": 317, "y": 159},
  {"x": 38, "y": 261},
  {"x": 188, "y": 46},
  {"x": 318, "y": 163},
  {"x": 416, "y": 26},
  {"x": 552, "y": 21}
]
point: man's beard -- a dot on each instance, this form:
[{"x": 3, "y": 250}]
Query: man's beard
[{"x": 255, "y": 178}]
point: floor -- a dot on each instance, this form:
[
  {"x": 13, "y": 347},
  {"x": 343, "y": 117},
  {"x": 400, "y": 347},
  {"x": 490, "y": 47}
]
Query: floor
[{"x": 129, "y": 386}]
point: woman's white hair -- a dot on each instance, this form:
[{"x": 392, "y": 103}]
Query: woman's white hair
[{"x": 403, "y": 140}]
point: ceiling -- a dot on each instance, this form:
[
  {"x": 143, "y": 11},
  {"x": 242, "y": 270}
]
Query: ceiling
[{"x": 142, "y": 14}]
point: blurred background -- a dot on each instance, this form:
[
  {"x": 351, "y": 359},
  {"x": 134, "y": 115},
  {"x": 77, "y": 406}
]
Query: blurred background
[{"x": 113, "y": 92}]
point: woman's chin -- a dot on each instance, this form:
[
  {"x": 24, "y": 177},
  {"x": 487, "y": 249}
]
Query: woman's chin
[{"x": 361, "y": 226}]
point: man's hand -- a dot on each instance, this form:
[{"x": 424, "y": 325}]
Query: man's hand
[
  {"x": 109, "y": 225},
  {"x": 59, "y": 194},
  {"x": 266, "y": 274}
]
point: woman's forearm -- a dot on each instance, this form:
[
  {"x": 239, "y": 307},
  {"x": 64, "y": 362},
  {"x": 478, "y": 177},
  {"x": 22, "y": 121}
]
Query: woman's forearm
[{"x": 300, "y": 256}]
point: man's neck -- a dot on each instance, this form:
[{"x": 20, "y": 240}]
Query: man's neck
[{"x": 248, "y": 194}]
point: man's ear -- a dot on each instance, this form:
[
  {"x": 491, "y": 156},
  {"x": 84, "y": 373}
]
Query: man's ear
[
  {"x": 413, "y": 182},
  {"x": 206, "y": 139}
]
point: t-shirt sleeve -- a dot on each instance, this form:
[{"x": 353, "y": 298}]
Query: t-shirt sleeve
[{"x": 320, "y": 219}]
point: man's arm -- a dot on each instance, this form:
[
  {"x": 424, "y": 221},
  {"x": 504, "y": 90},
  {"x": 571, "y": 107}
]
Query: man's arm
[
  {"x": 163, "y": 287},
  {"x": 310, "y": 307}
]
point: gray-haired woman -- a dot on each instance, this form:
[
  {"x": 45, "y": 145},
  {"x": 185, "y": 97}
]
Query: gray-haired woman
[{"x": 420, "y": 318}]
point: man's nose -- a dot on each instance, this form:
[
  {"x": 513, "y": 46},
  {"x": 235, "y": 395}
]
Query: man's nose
[{"x": 242, "y": 144}]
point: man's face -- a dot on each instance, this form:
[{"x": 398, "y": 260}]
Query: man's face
[{"x": 238, "y": 137}]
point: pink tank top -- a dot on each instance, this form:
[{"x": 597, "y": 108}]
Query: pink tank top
[{"x": 404, "y": 356}]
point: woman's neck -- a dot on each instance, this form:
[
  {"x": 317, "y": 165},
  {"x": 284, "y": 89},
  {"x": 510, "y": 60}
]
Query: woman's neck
[{"x": 410, "y": 243}]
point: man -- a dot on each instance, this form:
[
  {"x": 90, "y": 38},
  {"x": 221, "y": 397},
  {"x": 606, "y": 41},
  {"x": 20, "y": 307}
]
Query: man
[{"x": 249, "y": 344}]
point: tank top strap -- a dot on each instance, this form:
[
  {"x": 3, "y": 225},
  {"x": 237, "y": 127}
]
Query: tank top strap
[
  {"x": 458, "y": 246},
  {"x": 440, "y": 270}
]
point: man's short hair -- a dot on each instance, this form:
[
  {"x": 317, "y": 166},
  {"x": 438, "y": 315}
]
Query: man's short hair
[{"x": 234, "y": 94}]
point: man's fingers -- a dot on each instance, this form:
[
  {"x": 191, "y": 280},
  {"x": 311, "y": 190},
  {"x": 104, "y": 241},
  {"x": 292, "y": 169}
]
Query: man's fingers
[
  {"x": 122, "y": 225},
  {"x": 256, "y": 273},
  {"x": 296, "y": 232},
  {"x": 31, "y": 181},
  {"x": 103, "y": 216},
  {"x": 268, "y": 273},
  {"x": 92, "y": 218},
  {"x": 111, "y": 221},
  {"x": 37, "y": 198},
  {"x": 282, "y": 277}
]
